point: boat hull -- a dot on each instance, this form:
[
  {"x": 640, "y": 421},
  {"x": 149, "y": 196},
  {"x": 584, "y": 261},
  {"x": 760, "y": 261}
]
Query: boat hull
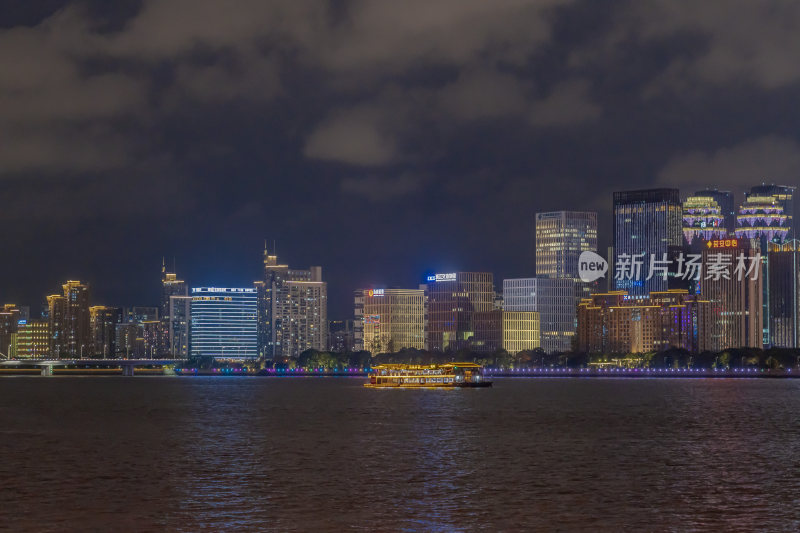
[{"x": 448, "y": 386}]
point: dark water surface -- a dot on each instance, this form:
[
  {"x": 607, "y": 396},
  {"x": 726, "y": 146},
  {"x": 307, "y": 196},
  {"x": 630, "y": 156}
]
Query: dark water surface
[{"x": 314, "y": 454}]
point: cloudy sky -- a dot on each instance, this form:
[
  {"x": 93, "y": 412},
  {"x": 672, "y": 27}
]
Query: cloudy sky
[{"x": 381, "y": 140}]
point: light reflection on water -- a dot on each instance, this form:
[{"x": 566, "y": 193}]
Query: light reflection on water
[{"x": 327, "y": 454}]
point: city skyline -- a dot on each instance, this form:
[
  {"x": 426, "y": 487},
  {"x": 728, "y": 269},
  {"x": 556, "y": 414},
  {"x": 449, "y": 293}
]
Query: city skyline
[{"x": 342, "y": 308}]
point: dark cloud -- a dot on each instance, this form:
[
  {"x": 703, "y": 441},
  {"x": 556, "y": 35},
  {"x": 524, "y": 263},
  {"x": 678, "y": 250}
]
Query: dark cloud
[{"x": 380, "y": 139}]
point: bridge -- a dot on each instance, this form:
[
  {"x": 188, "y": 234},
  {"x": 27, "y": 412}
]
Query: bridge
[{"x": 127, "y": 365}]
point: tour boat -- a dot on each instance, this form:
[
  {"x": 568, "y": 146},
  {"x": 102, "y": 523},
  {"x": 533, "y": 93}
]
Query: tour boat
[{"x": 445, "y": 376}]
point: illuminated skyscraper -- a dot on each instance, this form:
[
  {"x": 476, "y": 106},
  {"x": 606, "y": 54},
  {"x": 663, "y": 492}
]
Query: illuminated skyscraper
[
  {"x": 784, "y": 195},
  {"x": 766, "y": 217},
  {"x": 646, "y": 222},
  {"x": 763, "y": 218},
  {"x": 292, "y": 308},
  {"x": 453, "y": 300},
  {"x": 68, "y": 315},
  {"x": 703, "y": 219},
  {"x": 736, "y": 305},
  {"x": 171, "y": 286},
  {"x": 103, "y": 323},
  {"x": 388, "y": 320},
  {"x": 224, "y": 323},
  {"x": 561, "y": 238},
  {"x": 725, "y": 201}
]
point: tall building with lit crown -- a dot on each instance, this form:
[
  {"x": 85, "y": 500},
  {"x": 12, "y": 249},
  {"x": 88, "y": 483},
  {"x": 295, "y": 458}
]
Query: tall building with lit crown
[
  {"x": 453, "y": 300},
  {"x": 766, "y": 217},
  {"x": 171, "y": 286},
  {"x": 56, "y": 316},
  {"x": 703, "y": 219},
  {"x": 70, "y": 327},
  {"x": 784, "y": 294},
  {"x": 388, "y": 320},
  {"x": 725, "y": 201},
  {"x": 784, "y": 195},
  {"x": 762, "y": 217},
  {"x": 103, "y": 322},
  {"x": 736, "y": 305},
  {"x": 616, "y": 323},
  {"x": 224, "y": 323},
  {"x": 551, "y": 299},
  {"x": 292, "y": 309},
  {"x": 646, "y": 222},
  {"x": 33, "y": 339},
  {"x": 561, "y": 238}
]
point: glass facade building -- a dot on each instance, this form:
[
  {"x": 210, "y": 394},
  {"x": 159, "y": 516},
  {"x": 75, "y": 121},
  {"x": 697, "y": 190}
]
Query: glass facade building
[
  {"x": 454, "y": 299},
  {"x": 224, "y": 323},
  {"x": 561, "y": 238},
  {"x": 552, "y": 299},
  {"x": 646, "y": 222},
  {"x": 388, "y": 320}
]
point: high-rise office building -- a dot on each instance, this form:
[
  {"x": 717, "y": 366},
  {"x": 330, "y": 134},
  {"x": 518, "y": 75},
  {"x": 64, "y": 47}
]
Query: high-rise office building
[
  {"x": 646, "y": 223},
  {"x": 703, "y": 219},
  {"x": 561, "y": 238},
  {"x": 766, "y": 217},
  {"x": 784, "y": 195},
  {"x": 292, "y": 309},
  {"x": 388, "y": 320},
  {"x": 727, "y": 206},
  {"x": 453, "y": 300},
  {"x": 615, "y": 323},
  {"x": 763, "y": 218},
  {"x": 736, "y": 304},
  {"x": 179, "y": 326},
  {"x": 171, "y": 286},
  {"x": 552, "y": 299},
  {"x": 224, "y": 323},
  {"x": 784, "y": 294},
  {"x": 103, "y": 322},
  {"x": 68, "y": 315},
  {"x": 33, "y": 339}
]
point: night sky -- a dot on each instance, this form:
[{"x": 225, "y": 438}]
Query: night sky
[{"x": 381, "y": 140}]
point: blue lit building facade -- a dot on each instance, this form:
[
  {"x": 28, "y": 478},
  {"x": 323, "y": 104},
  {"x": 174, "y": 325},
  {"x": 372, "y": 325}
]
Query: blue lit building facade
[
  {"x": 646, "y": 222},
  {"x": 224, "y": 323}
]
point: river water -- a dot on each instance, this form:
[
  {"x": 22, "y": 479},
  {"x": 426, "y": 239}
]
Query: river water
[{"x": 326, "y": 454}]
